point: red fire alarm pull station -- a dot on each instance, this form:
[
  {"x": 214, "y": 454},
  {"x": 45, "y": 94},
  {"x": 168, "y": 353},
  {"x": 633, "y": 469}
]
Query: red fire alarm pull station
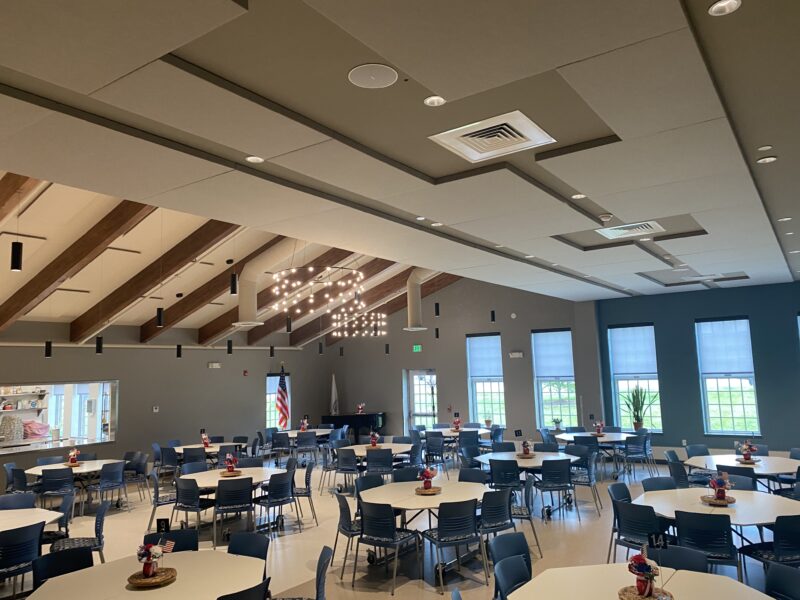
[{"x": 244, "y": 373}]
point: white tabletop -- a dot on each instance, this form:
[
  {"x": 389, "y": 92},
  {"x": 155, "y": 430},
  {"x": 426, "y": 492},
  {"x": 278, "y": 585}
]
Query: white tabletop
[
  {"x": 210, "y": 449},
  {"x": 525, "y": 463},
  {"x": 22, "y": 517},
  {"x": 454, "y": 433},
  {"x": 604, "y": 581},
  {"x": 362, "y": 449},
  {"x": 607, "y": 438},
  {"x": 319, "y": 432},
  {"x": 402, "y": 495},
  {"x": 212, "y": 477},
  {"x": 87, "y": 466},
  {"x": 204, "y": 574},
  {"x": 751, "y": 508},
  {"x": 765, "y": 465}
]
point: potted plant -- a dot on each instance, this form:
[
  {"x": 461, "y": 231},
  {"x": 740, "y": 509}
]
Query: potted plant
[
  {"x": 638, "y": 401},
  {"x": 557, "y": 424}
]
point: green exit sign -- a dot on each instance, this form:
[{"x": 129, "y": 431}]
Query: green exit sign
[{"x": 416, "y": 348}]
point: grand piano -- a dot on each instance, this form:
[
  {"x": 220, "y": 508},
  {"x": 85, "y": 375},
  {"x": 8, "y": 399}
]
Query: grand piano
[{"x": 359, "y": 424}]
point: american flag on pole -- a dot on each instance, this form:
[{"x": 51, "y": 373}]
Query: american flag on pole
[
  {"x": 282, "y": 401},
  {"x": 168, "y": 546}
]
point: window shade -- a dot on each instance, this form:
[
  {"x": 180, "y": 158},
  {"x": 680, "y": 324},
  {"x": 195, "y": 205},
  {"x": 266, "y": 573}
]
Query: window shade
[
  {"x": 484, "y": 356},
  {"x": 552, "y": 354},
  {"x": 632, "y": 350},
  {"x": 724, "y": 346}
]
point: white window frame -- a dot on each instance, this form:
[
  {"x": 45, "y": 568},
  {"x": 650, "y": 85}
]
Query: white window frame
[
  {"x": 492, "y": 381},
  {"x": 424, "y": 417},
  {"x": 271, "y": 416},
  {"x": 616, "y": 378},
  {"x": 540, "y": 381}
]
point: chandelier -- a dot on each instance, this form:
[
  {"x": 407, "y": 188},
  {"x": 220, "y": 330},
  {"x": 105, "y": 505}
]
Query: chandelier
[
  {"x": 365, "y": 324},
  {"x": 329, "y": 286}
]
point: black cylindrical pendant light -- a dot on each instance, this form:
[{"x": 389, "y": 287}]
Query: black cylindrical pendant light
[
  {"x": 159, "y": 317},
  {"x": 375, "y": 329},
  {"x": 386, "y": 348},
  {"x": 288, "y": 324},
  {"x": 16, "y": 256},
  {"x": 178, "y": 351},
  {"x": 98, "y": 344},
  {"x": 341, "y": 350},
  {"x": 272, "y": 351},
  {"x": 48, "y": 349},
  {"x": 436, "y": 309},
  {"x": 229, "y": 346},
  {"x": 320, "y": 347},
  {"x": 234, "y": 284},
  {"x": 436, "y": 333},
  {"x": 491, "y": 317}
]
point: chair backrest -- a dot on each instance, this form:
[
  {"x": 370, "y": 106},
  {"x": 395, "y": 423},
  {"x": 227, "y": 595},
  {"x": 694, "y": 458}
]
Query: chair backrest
[
  {"x": 589, "y": 441},
  {"x": 576, "y": 429},
  {"x": 697, "y": 450},
  {"x": 612, "y": 429},
  {"x": 174, "y": 443},
  {"x": 19, "y": 480},
  {"x": 405, "y": 474},
  {"x": 635, "y": 445},
  {"x": 345, "y": 516},
  {"x": 420, "y": 427},
  {"x": 216, "y": 439},
  {"x": 100, "y": 520},
  {"x": 17, "y": 501},
  {"x": 684, "y": 559},
  {"x": 112, "y": 473},
  {"x": 457, "y": 520},
  {"x": 794, "y": 453},
  {"x": 156, "y": 452},
  {"x": 380, "y": 458},
  {"x": 434, "y": 444},
  {"x": 309, "y": 472},
  {"x": 306, "y": 439},
  {"x": 139, "y": 463},
  {"x": 187, "y": 494},
  {"x": 761, "y": 449},
  {"x": 226, "y": 449},
  {"x": 511, "y": 573},
  {"x": 545, "y": 447},
  {"x": 742, "y": 482},
  {"x": 259, "y": 591},
  {"x": 671, "y": 456},
  {"x": 473, "y": 476},
  {"x": 49, "y": 460},
  {"x": 441, "y": 425},
  {"x": 20, "y": 545},
  {"x": 281, "y": 487},
  {"x": 377, "y": 521},
  {"x": 8, "y": 468},
  {"x": 416, "y": 438},
  {"x": 191, "y": 455},
  {"x": 193, "y": 467},
  {"x": 496, "y": 433},
  {"x": 346, "y": 459},
  {"x": 556, "y": 471},
  {"x": 186, "y": 540},
  {"x": 367, "y": 482},
  {"x": 654, "y": 484},
  {"x": 401, "y": 439},
  {"x": 88, "y": 456},
  {"x": 415, "y": 455},
  {"x": 619, "y": 491},
  {"x": 240, "y": 439},
  {"x": 467, "y": 455},
  {"x": 505, "y": 473},
  {"x": 60, "y": 563},
  {"x": 169, "y": 458},
  {"x": 678, "y": 473},
  {"x": 709, "y": 533},
  {"x": 786, "y": 538},
  {"x": 782, "y": 581},
  {"x": 54, "y": 480},
  {"x": 291, "y": 464},
  {"x": 234, "y": 493},
  {"x": 280, "y": 440},
  {"x": 496, "y": 508},
  {"x": 248, "y": 462},
  {"x": 468, "y": 438},
  {"x": 66, "y": 509},
  {"x": 323, "y": 562},
  {"x": 509, "y": 544},
  {"x": 255, "y": 545},
  {"x": 636, "y": 521},
  {"x": 504, "y": 447}
]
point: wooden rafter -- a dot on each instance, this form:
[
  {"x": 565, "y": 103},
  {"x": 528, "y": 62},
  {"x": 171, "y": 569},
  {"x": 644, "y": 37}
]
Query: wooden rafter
[
  {"x": 13, "y": 190},
  {"x": 278, "y": 321},
  {"x": 200, "y": 297},
  {"x": 98, "y": 317},
  {"x": 124, "y": 217},
  {"x": 223, "y": 324}
]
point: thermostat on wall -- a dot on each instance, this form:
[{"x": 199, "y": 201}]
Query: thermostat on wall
[
  {"x": 214, "y": 365},
  {"x": 516, "y": 354}
]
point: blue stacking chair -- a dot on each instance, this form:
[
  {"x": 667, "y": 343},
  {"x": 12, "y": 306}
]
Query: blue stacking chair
[{"x": 511, "y": 574}]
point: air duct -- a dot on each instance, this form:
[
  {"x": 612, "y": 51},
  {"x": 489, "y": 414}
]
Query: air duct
[
  {"x": 414, "y": 293},
  {"x": 251, "y": 276}
]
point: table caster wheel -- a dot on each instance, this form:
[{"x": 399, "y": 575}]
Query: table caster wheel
[
  {"x": 568, "y": 500},
  {"x": 547, "y": 513},
  {"x": 279, "y": 522},
  {"x": 371, "y": 557},
  {"x": 339, "y": 488}
]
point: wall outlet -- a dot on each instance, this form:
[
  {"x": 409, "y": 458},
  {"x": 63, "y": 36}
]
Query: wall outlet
[
  {"x": 683, "y": 443},
  {"x": 214, "y": 365},
  {"x": 155, "y": 409}
]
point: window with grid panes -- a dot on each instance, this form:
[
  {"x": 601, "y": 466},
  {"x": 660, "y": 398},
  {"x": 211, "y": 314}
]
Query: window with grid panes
[
  {"x": 423, "y": 398},
  {"x": 272, "y": 396},
  {"x": 632, "y": 357},
  {"x": 485, "y": 373},
  {"x": 554, "y": 378}
]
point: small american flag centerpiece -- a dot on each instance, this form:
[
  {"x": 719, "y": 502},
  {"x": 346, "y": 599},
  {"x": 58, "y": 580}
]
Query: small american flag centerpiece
[
  {"x": 360, "y": 408},
  {"x": 230, "y": 462},
  {"x": 646, "y": 571},
  {"x": 747, "y": 448},
  {"x": 148, "y": 555},
  {"x": 426, "y": 475},
  {"x": 73, "y": 456},
  {"x": 457, "y": 423},
  {"x": 720, "y": 484},
  {"x": 303, "y": 424},
  {"x": 373, "y": 438},
  {"x": 598, "y": 426},
  {"x": 204, "y": 438},
  {"x": 526, "y": 447}
]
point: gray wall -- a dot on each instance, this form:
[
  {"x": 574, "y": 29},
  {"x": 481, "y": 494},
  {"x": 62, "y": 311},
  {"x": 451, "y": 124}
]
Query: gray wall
[{"x": 366, "y": 374}]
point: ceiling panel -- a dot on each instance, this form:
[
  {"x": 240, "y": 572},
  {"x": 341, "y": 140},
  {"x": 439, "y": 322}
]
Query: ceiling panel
[
  {"x": 559, "y": 252},
  {"x": 513, "y": 274},
  {"x": 170, "y": 95},
  {"x": 467, "y": 46},
  {"x": 349, "y": 169},
  {"x": 16, "y": 115},
  {"x": 687, "y": 153},
  {"x": 88, "y": 44},
  {"x": 641, "y": 89},
  {"x": 571, "y": 289}
]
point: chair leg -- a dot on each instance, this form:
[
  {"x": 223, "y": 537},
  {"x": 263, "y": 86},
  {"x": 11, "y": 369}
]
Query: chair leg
[
  {"x": 394, "y": 573},
  {"x": 335, "y": 541},
  {"x": 610, "y": 546},
  {"x": 355, "y": 563},
  {"x": 535, "y": 536},
  {"x": 313, "y": 510},
  {"x": 346, "y": 552},
  {"x": 214, "y": 525},
  {"x": 152, "y": 516},
  {"x": 440, "y": 569},
  {"x": 102, "y": 556}
]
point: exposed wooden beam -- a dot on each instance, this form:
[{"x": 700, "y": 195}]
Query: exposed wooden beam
[
  {"x": 200, "y": 297},
  {"x": 278, "y": 321},
  {"x": 223, "y": 324},
  {"x": 89, "y": 246},
  {"x": 399, "y": 302},
  {"x": 13, "y": 189},
  {"x": 98, "y": 317}
]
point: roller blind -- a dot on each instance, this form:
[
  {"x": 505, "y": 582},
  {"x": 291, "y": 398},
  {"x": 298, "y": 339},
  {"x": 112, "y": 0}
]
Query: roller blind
[
  {"x": 724, "y": 346},
  {"x": 632, "y": 350},
  {"x": 484, "y": 356},
  {"x": 552, "y": 354}
]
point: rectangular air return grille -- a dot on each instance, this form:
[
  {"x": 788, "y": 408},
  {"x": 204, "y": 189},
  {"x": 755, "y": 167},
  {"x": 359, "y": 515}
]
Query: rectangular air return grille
[
  {"x": 644, "y": 228},
  {"x": 504, "y": 134}
]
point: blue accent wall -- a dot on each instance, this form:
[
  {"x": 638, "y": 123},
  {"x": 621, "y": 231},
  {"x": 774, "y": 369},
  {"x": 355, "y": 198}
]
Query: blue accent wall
[{"x": 772, "y": 310}]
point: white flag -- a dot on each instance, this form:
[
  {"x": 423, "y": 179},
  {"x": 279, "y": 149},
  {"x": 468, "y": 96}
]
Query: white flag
[{"x": 334, "y": 396}]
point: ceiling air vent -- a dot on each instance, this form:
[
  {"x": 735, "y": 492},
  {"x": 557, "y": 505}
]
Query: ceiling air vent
[
  {"x": 504, "y": 134},
  {"x": 631, "y": 230}
]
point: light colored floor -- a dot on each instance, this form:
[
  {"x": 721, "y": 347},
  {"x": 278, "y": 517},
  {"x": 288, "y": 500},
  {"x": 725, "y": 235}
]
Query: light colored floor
[{"x": 293, "y": 555}]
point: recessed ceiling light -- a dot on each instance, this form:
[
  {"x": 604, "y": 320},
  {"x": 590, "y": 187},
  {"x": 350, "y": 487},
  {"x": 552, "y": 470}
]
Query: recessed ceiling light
[
  {"x": 683, "y": 265},
  {"x": 681, "y": 269},
  {"x": 587, "y": 276},
  {"x": 256, "y": 160},
  {"x": 720, "y": 8},
  {"x": 372, "y": 76},
  {"x": 420, "y": 218},
  {"x": 794, "y": 251},
  {"x": 645, "y": 239},
  {"x": 434, "y": 101},
  {"x": 578, "y": 196},
  {"x": 499, "y": 246},
  {"x": 784, "y": 219},
  {"x": 765, "y": 160},
  {"x": 530, "y": 256},
  {"x": 437, "y": 224},
  {"x": 764, "y": 148},
  {"x": 554, "y": 264},
  {"x": 789, "y": 233}
]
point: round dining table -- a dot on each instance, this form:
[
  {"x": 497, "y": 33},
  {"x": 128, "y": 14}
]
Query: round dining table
[
  {"x": 750, "y": 508},
  {"x": 361, "y": 450},
  {"x": 203, "y": 574},
  {"x": 212, "y": 477},
  {"x": 604, "y": 581},
  {"x": 84, "y": 467},
  {"x": 764, "y": 466},
  {"x": 607, "y": 438},
  {"x": 22, "y": 517},
  {"x": 535, "y": 462},
  {"x": 318, "y": 432},
  {"x": 403, "y": 496}
]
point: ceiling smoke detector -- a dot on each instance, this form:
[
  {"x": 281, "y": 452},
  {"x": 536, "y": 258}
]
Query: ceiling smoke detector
[
  {"x": 493, "y": 137},
  {"x": 605, "y": 217},
  {"x": 644, "y": 228},
  {"x": 720, "y": 8},
  {"x": 372, "y": 76}
]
